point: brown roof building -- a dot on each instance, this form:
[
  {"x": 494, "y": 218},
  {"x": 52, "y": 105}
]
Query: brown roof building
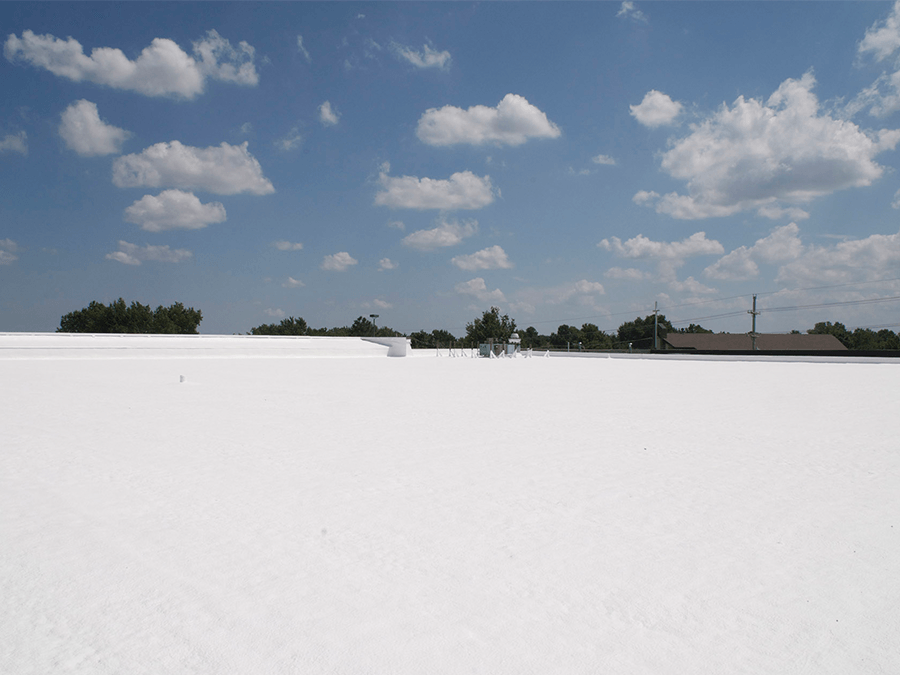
[{"x": 739, "y": 342}]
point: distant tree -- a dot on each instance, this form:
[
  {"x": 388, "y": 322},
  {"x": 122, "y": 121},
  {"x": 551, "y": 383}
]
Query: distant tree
[
  {"x": 420, "y": 339},
  {"x": 175, "y": 318},
  {"x": 693, "y": 328},
  {"x": 589, "y": 336},
  {"x": 888, "y": 339},
  {"x": 640, "y": 332},
  {"x": 362, "y": 327},
  {"x": 489, "y": 326},
  {"x": 868, "y": 340},
  {"x": 532, "y": 340},
  {"x": 436, "y": 338},
  {"x": 837, "y": 329},
  {"x": 565, "y": 336},
  {"x": 117, "y": 317},
  {"x": 862, "y": 339},
  {"x": 289, "y": 326},
  {"x": 594, "y": 338},
  {"x": 443, "y": 337}
]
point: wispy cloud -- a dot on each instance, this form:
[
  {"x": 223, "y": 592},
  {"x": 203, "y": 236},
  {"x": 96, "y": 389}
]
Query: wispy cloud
[
  {"x": 426, "y": 58},
  {"x": 302, "y": 49},
  {"x": 327, "y": 115},
  {"x": 8, "y": 250},
  {"x": 628, "y": 11},
  {"x": 493, "y": 258},
  {"x": 132, "y": 254},
  {"x": 447, "y": 233},
  {"x": 15, "y": 143},
  {"x": 288, "y": 245}
]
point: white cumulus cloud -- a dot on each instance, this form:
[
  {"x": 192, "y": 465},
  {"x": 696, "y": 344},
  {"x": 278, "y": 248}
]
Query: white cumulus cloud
[
  {"x": 162, "y": 69},
  {"x": 291, "y": 282},
  {"x": 132, "y": 254},
  {"x": 775, "y": 212},
  {"x": 224, "y": 169},
  {"x": 478, "y": 288},
  {"x": 512, "y": 122},
  {"x": 493, "y": 258},
  {"x": 642, "y": 247},
  {"x": 328, "y": 116},
  {"x": 690, "y": 285},
  {"x": 781, "y": 245},
  {"x": 604, "y": 159},
  {"x": 656, "y": 110},
  {"x": 463, "y": 190},
  {"x": 427, "y": 58},
  {"x": 583, "y": 293},
  {"x": 85, "y": 133},
  {"x": 883, "y": 38},
  {"x": 668, "y": 255},
  {"x": 15, "y": 143},
  {"x": 586, "y": 287},
  {"x": 386, "y": 264},
  {"x": 866, "y": 259},
  {"x": 173, "y": 210},
  {"x": 756, "y": 154},
  {"x": 447, "y": 233},
  {"x": 338, "y": 262}
]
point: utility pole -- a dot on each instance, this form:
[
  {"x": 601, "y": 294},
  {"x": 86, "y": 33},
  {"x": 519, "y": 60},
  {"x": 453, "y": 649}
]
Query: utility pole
[
  {"x": 754, "y": 313},
  {"x": 656, "y": 325}
]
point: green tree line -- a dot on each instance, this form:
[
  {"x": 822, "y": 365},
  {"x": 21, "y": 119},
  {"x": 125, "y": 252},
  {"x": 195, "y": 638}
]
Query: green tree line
[
  {"x": 361, "y": 327},
  {"x": 860, "y": 339},
  {"x": 119, "y": 317}
]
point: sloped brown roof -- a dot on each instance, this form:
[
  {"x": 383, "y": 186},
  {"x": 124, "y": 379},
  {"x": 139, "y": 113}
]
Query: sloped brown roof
[{"x": 742, "y": 342}]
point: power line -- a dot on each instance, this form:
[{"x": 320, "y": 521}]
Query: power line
[
  {"x": 727, "y": 315},
  {"x": 871, "y": 301}
]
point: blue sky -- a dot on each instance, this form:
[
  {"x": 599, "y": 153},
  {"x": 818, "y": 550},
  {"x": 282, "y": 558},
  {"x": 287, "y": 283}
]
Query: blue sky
[{"x": 567, "y": 162}]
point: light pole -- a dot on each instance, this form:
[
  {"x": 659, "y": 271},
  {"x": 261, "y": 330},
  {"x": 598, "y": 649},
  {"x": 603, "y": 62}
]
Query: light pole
[{"x": 373, "y": 317}]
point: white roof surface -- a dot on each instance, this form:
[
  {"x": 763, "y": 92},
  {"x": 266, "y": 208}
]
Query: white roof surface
[{"x": 422, "y": 515}]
